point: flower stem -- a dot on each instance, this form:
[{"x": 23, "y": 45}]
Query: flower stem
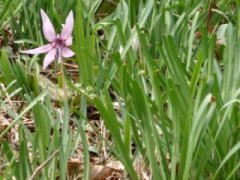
[{"x": 64, "y": 83}]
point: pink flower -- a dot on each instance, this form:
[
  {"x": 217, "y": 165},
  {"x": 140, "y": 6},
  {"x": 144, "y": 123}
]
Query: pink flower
[{"x": 58, "y": 43}]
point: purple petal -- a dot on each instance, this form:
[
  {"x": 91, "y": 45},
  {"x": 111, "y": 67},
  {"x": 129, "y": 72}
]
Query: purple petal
[
  {"x": 39, "y": 50},
  {"x": 66, "y": 52},
  {"x": 68, "y": 27},
  {"x": 68, "y": 42},
  {"x": 49, "y": 58},
  {"x": 48, "y": 28}
]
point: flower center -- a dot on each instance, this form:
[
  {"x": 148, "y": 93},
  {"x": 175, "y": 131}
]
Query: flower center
[{"x": 58, "y": 42}]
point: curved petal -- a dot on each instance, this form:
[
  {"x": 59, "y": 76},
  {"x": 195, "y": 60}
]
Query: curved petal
[
  {"x": 66, "y": 52},
  {"x": 51, "y": 55},
  {"x": 68, "y": 27},
  {"x": 68, "y": 42},
  {"x": 39, "y": 50},
  {"x": 48, "y": 28}
]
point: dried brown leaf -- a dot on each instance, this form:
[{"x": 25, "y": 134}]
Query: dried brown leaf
[{"x": 97, "y": 172}]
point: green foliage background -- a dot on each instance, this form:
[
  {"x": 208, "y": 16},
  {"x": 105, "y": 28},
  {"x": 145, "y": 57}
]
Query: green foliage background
[{"x": 171, "y": 65}]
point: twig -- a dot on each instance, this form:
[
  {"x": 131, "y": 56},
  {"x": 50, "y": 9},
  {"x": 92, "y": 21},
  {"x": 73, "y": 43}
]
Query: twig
[
  {"x": 8, "y": 98},
  {"x": 70, "y": 65},
  {"x": 42, "y": 165}
]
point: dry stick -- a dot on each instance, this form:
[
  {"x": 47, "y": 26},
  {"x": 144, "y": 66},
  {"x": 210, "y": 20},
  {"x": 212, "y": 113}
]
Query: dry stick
[
  {"x": 42, "y": 165},
  {"x": 70, "y": 65},
  {"x": 11, "y": 102},
  {"x": 112, "y": 2},
  {"x": 8, "y": 98}
]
